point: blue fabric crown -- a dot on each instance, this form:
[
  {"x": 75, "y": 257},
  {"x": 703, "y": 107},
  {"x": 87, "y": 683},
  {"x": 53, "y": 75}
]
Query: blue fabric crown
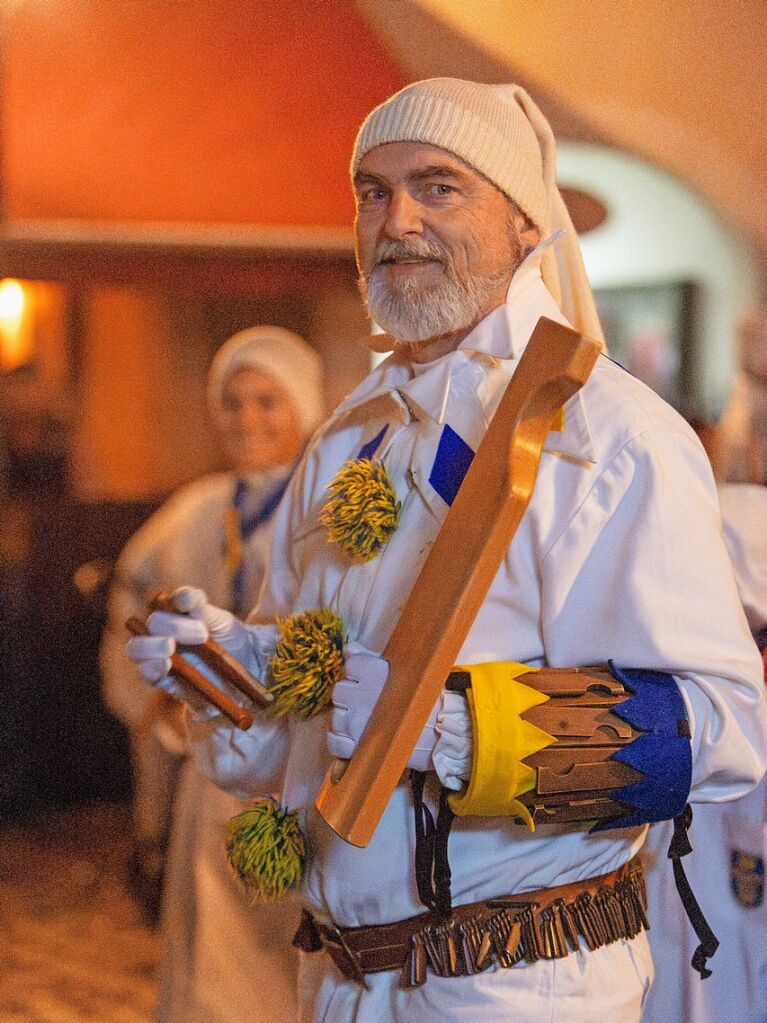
[{"x": 663, "y": 754}]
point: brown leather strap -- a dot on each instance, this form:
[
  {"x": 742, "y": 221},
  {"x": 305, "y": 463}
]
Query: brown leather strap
[{"x": 546, "y": 923}]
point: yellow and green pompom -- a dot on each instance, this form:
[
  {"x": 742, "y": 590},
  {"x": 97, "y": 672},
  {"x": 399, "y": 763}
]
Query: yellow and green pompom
[
  {"x": 267, "y": 849},
  {"x": 307, "y": 662},
  {"x": 362, "y": 510}
]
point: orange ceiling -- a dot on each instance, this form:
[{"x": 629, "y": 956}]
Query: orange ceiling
[
  {"x": 244, "y": 111},
  {"x": 224, "y": 111},
  {"x": 682, "y": 83}
]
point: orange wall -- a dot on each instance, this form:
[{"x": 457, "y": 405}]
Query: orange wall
[{"x": 238, "y": 111}]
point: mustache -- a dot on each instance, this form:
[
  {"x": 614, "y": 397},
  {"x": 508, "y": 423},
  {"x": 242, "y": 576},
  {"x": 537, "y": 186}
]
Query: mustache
[{"x": 415, "y": 248}]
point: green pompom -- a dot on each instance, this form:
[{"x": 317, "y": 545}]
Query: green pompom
[
  {"x": 267, "y": 849},
  {"x": 307, "y": 663},
  {"x": 362, "y": 511}
]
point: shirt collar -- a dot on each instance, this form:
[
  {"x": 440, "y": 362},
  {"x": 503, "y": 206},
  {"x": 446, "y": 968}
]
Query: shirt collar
[{"x": 499, "y": 339}]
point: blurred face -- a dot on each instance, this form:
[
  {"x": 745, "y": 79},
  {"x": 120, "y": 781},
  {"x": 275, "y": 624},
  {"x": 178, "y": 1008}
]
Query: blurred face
[
  {"x": 437, "y": 243},
  {"x": 258, "y": 422}
]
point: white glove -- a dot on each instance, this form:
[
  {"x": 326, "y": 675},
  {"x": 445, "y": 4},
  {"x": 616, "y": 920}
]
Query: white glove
[
  {"x": 453, "y": 750},
  {"x": 196, "y": 621},
  {"x": 354, "y": 698}
]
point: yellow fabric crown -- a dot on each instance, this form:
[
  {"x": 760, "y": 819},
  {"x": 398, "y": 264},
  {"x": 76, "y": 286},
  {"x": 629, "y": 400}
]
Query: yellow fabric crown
[{"x": 502, "y": 740}]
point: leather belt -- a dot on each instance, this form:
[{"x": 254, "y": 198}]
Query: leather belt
[{"x": 544, "y": 924}]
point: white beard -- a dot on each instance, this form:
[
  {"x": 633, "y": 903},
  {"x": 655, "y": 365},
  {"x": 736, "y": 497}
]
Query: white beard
[{"x": 410, "y": 311}]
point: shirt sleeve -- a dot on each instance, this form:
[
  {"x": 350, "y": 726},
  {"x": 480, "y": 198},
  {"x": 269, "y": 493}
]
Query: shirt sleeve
[{"x": 640, "y": 575}]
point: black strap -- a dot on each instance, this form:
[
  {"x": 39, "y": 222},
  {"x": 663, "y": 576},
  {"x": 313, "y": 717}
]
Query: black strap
[
  {"x": 443, "y": 902},
  {"x": 680, "y": 846},
  {"x": 424, "y": 840},
  {"x": 432, "y": 867}
]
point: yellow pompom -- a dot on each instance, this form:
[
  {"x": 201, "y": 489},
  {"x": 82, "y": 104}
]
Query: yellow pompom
[
  {"x": 267, "y": 849},
  {"x": 362, "y": 511},
  {"x": 307, "y": 662}
]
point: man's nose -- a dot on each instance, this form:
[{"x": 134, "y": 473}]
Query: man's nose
[{"x": 403, "y": 216}]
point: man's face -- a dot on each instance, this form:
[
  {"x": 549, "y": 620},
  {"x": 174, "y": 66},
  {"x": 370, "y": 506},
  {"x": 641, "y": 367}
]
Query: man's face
[
  {"x": 437, "y": 243},
  {"x": 258, "y": 423}
]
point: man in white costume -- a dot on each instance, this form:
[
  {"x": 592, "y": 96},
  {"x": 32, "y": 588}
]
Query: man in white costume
[
  {"x": 730, "y": 841},
  {"x": 456, "y": 206},
  {"x": 264, "y": 398}
]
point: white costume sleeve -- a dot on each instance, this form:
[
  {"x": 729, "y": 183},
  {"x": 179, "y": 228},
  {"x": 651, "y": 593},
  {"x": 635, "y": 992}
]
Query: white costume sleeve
[
  {"x": 281, "y": 583},
  {"x": 641, "y": 575},
  {"x": 244, "y": 763}
]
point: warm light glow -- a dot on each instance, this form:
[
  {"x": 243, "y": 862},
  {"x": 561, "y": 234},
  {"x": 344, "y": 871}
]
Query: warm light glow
[
  {"x": 11, "y": 301},
  {"x": 15, "y": 335}
]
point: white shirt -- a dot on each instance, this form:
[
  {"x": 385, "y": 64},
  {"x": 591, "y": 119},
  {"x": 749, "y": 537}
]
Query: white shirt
[{"x": 619, "y": 555}]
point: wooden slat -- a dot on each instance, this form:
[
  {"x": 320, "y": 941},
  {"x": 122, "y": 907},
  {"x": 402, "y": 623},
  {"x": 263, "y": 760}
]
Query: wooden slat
[
  {"x": 584, "y": 779},
  {"x": 588, "y": 724},
  {"x": 573, "y": 681},
  {"x": 569, "y": 811}
]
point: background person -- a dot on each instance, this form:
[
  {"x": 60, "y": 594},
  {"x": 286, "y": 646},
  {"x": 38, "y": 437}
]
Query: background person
[
  {"x": 221, "y": 952},
  {"x": 742, "y": 431},
  {"x": 727, "y": 866}
]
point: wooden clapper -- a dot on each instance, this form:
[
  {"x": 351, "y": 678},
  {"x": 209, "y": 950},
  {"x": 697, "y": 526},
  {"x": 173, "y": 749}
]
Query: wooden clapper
[{"x": 456, "y": 576}]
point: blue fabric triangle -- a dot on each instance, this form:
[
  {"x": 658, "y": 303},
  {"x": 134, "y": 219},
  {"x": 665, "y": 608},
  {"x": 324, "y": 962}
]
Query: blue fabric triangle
[
  {"x": 661, "y": 795},
  {"x": 452, "y": 461}
]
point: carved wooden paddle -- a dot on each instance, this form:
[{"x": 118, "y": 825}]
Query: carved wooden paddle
[{"x": 456, "y": 576}]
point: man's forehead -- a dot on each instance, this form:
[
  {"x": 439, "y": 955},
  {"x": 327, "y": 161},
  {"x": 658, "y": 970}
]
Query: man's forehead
[{"x": 396, "y": 159}]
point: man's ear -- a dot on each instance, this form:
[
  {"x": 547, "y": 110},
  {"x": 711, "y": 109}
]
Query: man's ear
[{"x": 525, "y": 230}]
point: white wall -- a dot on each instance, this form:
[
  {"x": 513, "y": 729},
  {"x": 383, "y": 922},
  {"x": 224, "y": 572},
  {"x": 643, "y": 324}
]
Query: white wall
[{"x": 659, "y": 230}]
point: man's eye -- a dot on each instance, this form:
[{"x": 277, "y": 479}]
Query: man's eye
[
  {"x": 372, "y": 195},
  {"x": 439, "y": 188}
]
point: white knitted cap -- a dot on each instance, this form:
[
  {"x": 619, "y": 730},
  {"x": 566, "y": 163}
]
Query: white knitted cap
[
  {"x": 281, "y": 354},
  {"x": 500, "y": 132},
  {"x": 483, "y": 124}
]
